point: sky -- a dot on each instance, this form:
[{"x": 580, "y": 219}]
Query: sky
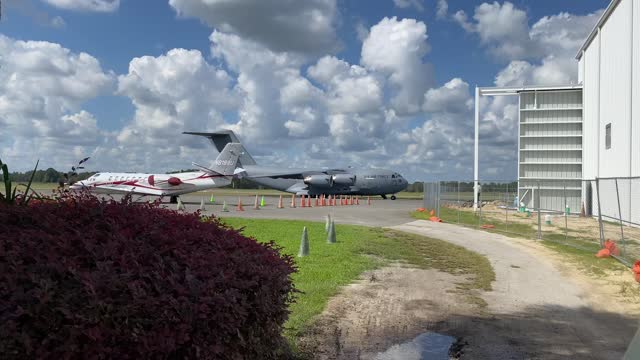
[{"x": 385, "y": 83}]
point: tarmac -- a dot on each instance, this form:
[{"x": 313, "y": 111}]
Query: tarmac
[{"x": 380, "y": 213}]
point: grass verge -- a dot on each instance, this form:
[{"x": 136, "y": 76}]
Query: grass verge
[
  {"x": 577, "y": 250},
  {"x": 358, "y": 249}
]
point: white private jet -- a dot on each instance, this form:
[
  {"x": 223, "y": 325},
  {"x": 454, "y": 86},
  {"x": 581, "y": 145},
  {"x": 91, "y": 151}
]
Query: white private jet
[{"x": 217, "y": 174}]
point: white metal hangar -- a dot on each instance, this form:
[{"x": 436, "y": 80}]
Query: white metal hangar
[
  {"x": 581, "y": 132},
  {"x": 609, "y": 69}
]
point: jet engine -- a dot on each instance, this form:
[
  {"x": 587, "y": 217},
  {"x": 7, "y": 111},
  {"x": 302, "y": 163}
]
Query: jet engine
[
  {"x": 319, "y": 180},
  {"x": 344, "y": 179},
  {"x": 174, "y": 181}
]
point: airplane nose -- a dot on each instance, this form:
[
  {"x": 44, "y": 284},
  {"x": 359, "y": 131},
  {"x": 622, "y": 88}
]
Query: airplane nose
[{"x": 77, "y": 186}]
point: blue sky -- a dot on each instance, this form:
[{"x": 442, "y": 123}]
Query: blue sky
[{"x": 458, "y": 48}]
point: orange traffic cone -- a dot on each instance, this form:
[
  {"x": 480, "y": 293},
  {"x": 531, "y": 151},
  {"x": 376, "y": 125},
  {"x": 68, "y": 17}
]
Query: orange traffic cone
[
  {"x": 280, "y": 203},
  {"x": 293, "y": 200},
  {"x": 357, "y": 200},
  {"x": 255, "y": 204},
  {"x": 302, "y": 203},
  {"x": 351, "y": 200},
  {"x": 308, "y": 200},
  {"x": 317, "y": 201},
  {"x": 239, "y": 208},
  {"x": 368, "y": 200}
]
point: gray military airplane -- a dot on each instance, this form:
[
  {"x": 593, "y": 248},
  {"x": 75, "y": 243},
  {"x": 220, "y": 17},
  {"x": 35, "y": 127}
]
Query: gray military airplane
[{"x": 311, "y": 181}]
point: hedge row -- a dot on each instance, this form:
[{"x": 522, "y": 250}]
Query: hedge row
[{"x": 82, "y": 277}]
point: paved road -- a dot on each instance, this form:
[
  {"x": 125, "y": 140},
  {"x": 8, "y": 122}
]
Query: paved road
[{"x": 379, "y": 213}]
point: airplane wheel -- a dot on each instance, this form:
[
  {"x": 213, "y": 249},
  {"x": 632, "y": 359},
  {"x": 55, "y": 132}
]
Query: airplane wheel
[
  {"x": 384, "y": 196},
  {"x": 393, "y": 197},
  {"x": 173, "y": 200}
]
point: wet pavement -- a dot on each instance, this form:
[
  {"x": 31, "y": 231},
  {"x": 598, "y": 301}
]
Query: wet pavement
[{"x": 427, "y": 346}]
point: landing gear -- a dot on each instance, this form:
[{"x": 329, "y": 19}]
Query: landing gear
[
  {"x": 384, "y": 196},
  {"x": 173, "y": 200},
  {"x": 393, "y": 197}
]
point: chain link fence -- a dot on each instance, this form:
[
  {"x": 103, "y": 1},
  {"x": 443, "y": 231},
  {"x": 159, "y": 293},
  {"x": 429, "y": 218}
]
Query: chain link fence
[{"x": 580, "y": 213}]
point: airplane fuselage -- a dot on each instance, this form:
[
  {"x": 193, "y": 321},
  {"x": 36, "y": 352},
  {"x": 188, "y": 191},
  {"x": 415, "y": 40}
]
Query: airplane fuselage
[
  {"x": 151, "y": 184},
  {"x": 336, "y": 182}
]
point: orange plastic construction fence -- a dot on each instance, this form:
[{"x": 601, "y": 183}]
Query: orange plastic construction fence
[
  {"x": 603, "y": 253},
  {"x": 612, "y": 247}
]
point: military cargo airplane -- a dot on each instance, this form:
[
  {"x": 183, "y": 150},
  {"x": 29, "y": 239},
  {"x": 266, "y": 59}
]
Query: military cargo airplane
[
  {"x": 312, "y": 181},
  {"x": 218, "y": 174}
]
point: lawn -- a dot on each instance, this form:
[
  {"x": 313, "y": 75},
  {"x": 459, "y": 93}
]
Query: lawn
[{"x": 358, "y": 249}]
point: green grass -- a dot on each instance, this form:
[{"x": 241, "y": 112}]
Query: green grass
[
  {"x": 358, "y": 249},
  {"x": 585, "y": 258},
  {"x": 471, "y": 219}
]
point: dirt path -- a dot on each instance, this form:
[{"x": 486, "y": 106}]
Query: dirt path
[
  {"x": 385, "y": 307},
  {"x": 539, "y": 308}
]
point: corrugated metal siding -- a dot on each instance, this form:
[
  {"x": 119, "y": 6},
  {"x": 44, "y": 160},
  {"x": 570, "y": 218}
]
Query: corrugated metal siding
[
  {"x": 635, "y": 144},
  {"x": 635, "y": 126},
  {"x": 615, "y": 102},
  {"x": 614, "y": 91},
  {"x": 591, "y": 110},
  {"x": 550, "y": 148}
]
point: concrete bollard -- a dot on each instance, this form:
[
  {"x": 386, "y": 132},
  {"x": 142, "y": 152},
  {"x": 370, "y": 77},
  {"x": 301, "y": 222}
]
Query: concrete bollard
[
  {"x": 255, "y": 204},
  {"x": 304, "y": 244},
  {"x": 331, "y": 236},
  {"x": 202, "y": 204},
  {"x": 224, "y": 206},
  {"x": 180, "y": 205}
]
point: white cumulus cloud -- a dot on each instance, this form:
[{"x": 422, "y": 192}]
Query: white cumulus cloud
[
  {"x": 281, "y": 25},
  {"x": 42, "y": 89},
  {"x": 86, "y": 5},
  {"x": 396, "y": 48},
  {"x": 403, "y": 4},
  {"x": 175, "y": 92}
]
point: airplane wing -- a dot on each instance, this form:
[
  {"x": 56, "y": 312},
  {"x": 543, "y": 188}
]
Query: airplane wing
[
  {"x": 237, "y": 171},
  {"x": 296, "y": 174}
]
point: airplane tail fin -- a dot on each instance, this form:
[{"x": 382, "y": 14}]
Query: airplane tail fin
[
  {"x": 226, "y": 163},
  {"x": 221, "y": 138}
]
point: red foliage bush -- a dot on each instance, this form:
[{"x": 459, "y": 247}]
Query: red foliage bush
[{"x": 88, "y": 278}]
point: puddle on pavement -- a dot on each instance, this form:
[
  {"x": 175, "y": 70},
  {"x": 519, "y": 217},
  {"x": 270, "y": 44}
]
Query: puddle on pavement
[{"x": 427, "y": 346}]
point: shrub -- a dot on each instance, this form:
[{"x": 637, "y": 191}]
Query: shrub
[{"x": 87, "y": 278}]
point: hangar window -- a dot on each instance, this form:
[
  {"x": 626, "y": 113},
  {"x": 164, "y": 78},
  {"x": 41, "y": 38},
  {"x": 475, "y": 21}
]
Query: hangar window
[{"x": 607, "y": 136}]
